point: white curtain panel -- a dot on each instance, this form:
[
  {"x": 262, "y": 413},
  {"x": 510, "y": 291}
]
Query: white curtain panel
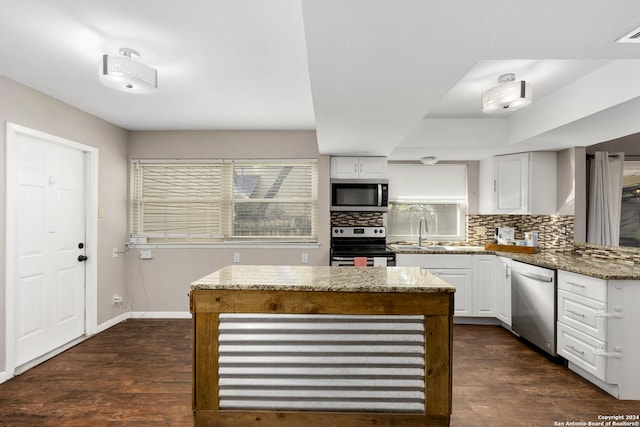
[{"x": 605, "y": 197}]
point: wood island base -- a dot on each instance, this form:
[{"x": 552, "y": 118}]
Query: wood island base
[{"x": 435, "y": 308}]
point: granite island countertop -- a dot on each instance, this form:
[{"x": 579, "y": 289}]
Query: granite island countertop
[{"x": 324, "y": 278}]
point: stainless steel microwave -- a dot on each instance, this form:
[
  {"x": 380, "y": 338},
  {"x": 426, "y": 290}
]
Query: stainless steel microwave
[{"x": 359, "y": 195}]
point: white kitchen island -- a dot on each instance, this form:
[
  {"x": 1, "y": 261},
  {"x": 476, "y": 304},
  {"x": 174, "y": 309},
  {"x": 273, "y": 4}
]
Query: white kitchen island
[{"x": 340, "y": 346}]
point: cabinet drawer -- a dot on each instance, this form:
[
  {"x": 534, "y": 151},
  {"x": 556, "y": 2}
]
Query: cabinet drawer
[
  {"x": 579, "y": 348},
  {"x": 582, "y": 313},
  {"x": 434, "y": 261},
  {"x": 590, "y": 287}
]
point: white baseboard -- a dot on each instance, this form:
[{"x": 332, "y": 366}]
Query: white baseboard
[
  {"x": 458, "y": 320},
  {"x": 143, "y": 315},
  {"x": 112, "y": 322},
  {"x": 160, "y": 315},
  {"x": 35, "y": 362}
]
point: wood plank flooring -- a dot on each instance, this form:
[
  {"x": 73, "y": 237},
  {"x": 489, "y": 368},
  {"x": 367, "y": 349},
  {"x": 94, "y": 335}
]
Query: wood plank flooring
[{"x": 139, "y": 373}]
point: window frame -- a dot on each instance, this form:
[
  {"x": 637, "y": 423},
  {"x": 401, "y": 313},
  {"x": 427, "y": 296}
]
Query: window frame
[
  {"x": 462, "y": 208},
  {"x": 226, "y": 206}
]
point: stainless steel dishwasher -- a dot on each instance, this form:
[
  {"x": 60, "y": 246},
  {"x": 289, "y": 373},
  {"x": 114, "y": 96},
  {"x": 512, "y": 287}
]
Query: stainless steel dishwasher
[{"x": 533, "y": 305}]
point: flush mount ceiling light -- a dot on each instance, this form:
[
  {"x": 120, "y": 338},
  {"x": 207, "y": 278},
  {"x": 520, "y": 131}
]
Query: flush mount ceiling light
[
  {"x": 429, "y": 160},
  {"x": 509, "y": 95},
  {"x": 126, "y": 74}
]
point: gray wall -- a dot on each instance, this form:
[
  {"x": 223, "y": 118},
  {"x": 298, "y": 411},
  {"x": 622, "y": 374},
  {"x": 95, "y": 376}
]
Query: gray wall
[
  {"x": 162, "y": 284},
  {"x": 27, "y": 107}
]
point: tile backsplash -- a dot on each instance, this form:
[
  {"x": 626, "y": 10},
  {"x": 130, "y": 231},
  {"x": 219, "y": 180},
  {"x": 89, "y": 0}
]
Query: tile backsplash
[
  {"x": 345, "y": 219},
  {"x": 554, "y": 231}
]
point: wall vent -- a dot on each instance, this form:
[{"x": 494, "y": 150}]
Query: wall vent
[{"x": 632, "y": 37}]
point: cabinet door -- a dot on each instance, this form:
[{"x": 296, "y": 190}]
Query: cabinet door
[
  {"x": 484, "y": 289},
  {"x": 502, "y": 275},
  {"x": 344, "y": 167},
  {"x": 511, "y": 183},
  {"x": 462, "y": 280},
  {"x": 372, "y": 167}
]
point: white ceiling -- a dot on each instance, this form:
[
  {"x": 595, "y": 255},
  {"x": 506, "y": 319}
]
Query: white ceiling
[{"x": 372, "y": 77}]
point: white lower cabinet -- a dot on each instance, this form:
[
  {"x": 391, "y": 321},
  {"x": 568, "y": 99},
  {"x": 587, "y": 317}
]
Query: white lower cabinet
[
  {"x": 470, "y": 274},
  {"x": 484, "y": 286},
  {"x": 582, "y": 313},
  {"x": 597, "y": 331},
  {"x": 502, "y": 279},
  {"x": 582, "y": 349},
  {"x": 462, "y": 279}
]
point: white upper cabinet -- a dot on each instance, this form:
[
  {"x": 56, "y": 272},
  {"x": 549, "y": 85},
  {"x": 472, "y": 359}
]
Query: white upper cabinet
[
  {"x": 523, "y": 183},
  {"x": 359, "y": 167}
]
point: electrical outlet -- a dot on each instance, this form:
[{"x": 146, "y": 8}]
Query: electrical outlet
[
  {"x": 236, "y": 257},
  {"x": 117, "y": 299},
  {"x": 305, "y": 257},
  {"x": 115, "y": 252},
  {"x": 146, "y": 254}
]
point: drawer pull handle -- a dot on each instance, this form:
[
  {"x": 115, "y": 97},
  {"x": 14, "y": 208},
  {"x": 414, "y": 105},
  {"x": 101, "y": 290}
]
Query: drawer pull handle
[
  {"x": 575, "y": 313},
  {"x": 576, "y": 350},
  {"x": 617, "y": 354},
  {"x": 576, "y": 284}
]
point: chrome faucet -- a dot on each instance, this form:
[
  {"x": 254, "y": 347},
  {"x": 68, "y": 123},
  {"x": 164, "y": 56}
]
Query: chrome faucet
[{"x": 422, "y": 222}]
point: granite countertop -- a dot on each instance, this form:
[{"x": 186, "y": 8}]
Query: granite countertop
[
  {"x": 404, "y": 248},
  {"x": 335, "y": 279},
  {"x": 588, "y": 266}
]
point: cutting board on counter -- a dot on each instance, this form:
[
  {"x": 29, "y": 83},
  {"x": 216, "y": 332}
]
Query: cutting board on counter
[{"x": 511, "y": 248}]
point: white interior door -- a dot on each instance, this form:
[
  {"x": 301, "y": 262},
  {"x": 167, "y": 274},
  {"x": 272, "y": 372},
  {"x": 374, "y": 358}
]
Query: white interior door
[{"x": 50, "y": 238}]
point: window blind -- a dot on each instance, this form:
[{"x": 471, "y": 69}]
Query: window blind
[
  {"x": 274, "y": 200},
  {"x": 220, "y": 200}
]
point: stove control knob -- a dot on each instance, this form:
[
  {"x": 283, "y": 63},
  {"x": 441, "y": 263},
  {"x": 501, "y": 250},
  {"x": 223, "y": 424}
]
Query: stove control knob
[{"x": 341, "y": 231}]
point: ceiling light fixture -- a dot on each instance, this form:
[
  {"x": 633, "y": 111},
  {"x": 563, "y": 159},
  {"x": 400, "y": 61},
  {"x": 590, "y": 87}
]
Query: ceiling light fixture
[
  {"x": 429, "y": 160},
  {"x": 126, "y": 74},
  {"x": 509, "y": 95}
]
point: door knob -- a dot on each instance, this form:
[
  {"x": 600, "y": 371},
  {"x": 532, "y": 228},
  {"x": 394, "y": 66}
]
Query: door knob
[{"x": 82, "y": 258}]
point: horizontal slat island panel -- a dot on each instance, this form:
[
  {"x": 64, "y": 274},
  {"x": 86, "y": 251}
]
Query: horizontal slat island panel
[{"x": 321, "y": 362}]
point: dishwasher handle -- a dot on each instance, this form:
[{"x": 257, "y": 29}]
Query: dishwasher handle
[{"x": 534, "y": 276}]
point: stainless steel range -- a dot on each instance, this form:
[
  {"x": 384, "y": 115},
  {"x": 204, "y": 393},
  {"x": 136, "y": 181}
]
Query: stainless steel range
[{"x": 359, "y": 246}]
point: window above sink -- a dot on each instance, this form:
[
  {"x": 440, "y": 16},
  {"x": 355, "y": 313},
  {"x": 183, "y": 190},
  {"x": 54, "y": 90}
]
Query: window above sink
[{"x": 444, "y": 221}]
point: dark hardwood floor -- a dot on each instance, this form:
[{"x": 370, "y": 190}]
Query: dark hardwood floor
[{"x": 138, "y": 373}]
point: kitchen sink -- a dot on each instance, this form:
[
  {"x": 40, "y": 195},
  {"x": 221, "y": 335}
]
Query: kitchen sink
[{"x": 424, "y": 248}]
